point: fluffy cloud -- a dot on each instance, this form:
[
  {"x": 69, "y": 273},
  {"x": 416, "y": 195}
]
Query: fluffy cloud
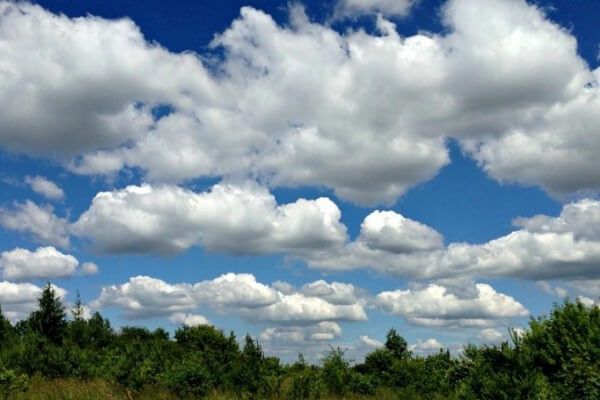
[
  {"x": 241, "y": 294},
  {"x": 189, "y": 319},
  {"x": 45, "y": 262},
  {"x": 229, "y": 218},
  {"x": 563, "y": 247},
  {"x": 235, "y": 290},
  {"x": 301, "y": 335},
  {"x": 19, "y": 299},
  {"x": 428, "y": 346},
  {"x": 305, "y": 139},
  {"x": 353, "y": 8},
  {"x": 434, "y": 305},
  {"x": 490, "y": 335},
  {"x": 298, "y": 308},
  {"x": 45, "y": 187},
  {"x": 388, "y": 101},
  {"x": 82, "y": 87},
  {"x": 40, "y": 222},
  {"x": 144, "y": 297},
  {"x": 335, "y": 292},
  {"x": 391, "y": 232}
]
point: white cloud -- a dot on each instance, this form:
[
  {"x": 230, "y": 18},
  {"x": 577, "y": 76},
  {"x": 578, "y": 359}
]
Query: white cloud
[
  {"x": 235, "y": 290},
  {"x": 45, "y": 262},
  {"x": 229, "y": 218},
  {"x": 335, "y": 292},
  {"x": 241, "y": 294},
  {"x": 391, "y": 232},
  {"x": 354, "y": 8},
  {"x": 20, "y": 299},
  {"x": 490, "y": 336},
  {"x": 590, "y": 287},
  {"x": 553, "y": 290},
  {"x": 301, "y": 336},
  {"x": 424, "y": 347},
  {"x": 189, "y": 319},
  {"x": 388, "y": 101},
  {"x": 89, "y": 268},
  {"x": 586, "y": 301},
  {"x": 45, "y": 187},
  {"x": 298, "y": 308},
  {"x": 545, "y": 248},
  {"x": 434, "y": 305},
  {"x": 144, "y": 297},
  {"x": 79, "y": 89},
  {"x": 40, "y": 222}
]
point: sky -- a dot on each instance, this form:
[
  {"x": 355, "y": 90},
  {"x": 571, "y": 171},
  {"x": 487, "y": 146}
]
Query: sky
[{"x": 311, "y": 173}]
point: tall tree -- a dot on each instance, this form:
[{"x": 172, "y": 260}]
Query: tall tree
[{"x": 50, "y": 319}]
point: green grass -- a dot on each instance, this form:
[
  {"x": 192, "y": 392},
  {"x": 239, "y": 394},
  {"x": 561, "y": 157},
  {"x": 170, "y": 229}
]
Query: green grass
[{"x": 98, "y": 389}]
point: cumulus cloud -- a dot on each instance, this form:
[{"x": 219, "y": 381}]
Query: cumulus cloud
[
  {"x": 235, "y": 290},
  {"x": 391, "y": 232},
  {"x": 354, "y": 8},
  {"x": 389, "y": 101},
  {"x": 82, "y": 91},
  {"x": 230, "y": 218},
  {"x": 89, "y": 268},
  {"x": 334, "y": 292},
  {"x": 38, "y": 221},
  {"x": 45, "y": 262},
  {"x": 424, "y": 347},
  {"x": 434, "y": 305},
  {"x": 145, "y": 297},
  {"x": 545, "y": 248},
  {"x": 241, "y": 294},
  {"x": 20, "y": 299},
  {"x": 189, "y": 319},
  {"x": 490, "y": 336},
  {"x": 325, "y": 331},
  {"x": 45, "y": 187}
]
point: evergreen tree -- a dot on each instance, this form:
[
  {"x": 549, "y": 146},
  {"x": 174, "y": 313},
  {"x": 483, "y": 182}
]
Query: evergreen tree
[{"x": 50, "y": 318}]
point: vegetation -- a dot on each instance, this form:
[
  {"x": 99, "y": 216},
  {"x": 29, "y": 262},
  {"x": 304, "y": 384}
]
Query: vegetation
[{"x": 47, "y": 356}]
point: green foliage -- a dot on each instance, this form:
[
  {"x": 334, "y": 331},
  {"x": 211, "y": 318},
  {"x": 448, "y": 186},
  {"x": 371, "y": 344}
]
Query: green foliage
[
  {"x": 558, "y": 358},
  {"x": 50, "y": 319},
  {"x": 565, "y": 347},
  {"x": 11, "y": 383},
  {"x": 336, "y": 371}
]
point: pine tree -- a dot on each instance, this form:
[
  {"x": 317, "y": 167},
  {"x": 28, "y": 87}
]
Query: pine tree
[{"x": 50, "y": 318}]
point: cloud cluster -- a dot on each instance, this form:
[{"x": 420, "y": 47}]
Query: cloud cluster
[
  {"x": 239, "y": 219},
  {"x": 435, "y": 306},
  {"x": 424, "y": 347},
  {"x": 563, "y": 247},
  {"x": 188, "y": 319},
  {"x": 369, "y": 120},
  {"x": 43, "y": 263},
  {"x": 241, "y": 294},
  {"x": 38, "y": 221},
  {"x": 300, "y": 336},
  {"x": 354, "y": 8}
]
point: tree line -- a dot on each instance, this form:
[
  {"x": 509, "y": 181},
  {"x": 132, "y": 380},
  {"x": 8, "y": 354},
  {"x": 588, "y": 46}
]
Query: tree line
[{"x": 558, "y": 357}]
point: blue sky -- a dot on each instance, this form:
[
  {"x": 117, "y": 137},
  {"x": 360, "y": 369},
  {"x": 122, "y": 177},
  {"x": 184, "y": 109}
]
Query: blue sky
[{"x": 312, "y": 173}]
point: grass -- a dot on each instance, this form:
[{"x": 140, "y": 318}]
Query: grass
[{"x": 98, "y": 389}]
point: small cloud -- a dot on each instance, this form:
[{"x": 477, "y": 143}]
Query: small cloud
[
  {"x": 89, "y": 268},
  {"x": 189, "y": 319},
  {"x": 45, "y": 187}
]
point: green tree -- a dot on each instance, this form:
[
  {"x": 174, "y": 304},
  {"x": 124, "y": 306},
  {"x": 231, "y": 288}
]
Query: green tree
[
  {"x": 565, "y": 346},
  {"x": 396, "y": 345},
  {"x": 50, "y": 319}
]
